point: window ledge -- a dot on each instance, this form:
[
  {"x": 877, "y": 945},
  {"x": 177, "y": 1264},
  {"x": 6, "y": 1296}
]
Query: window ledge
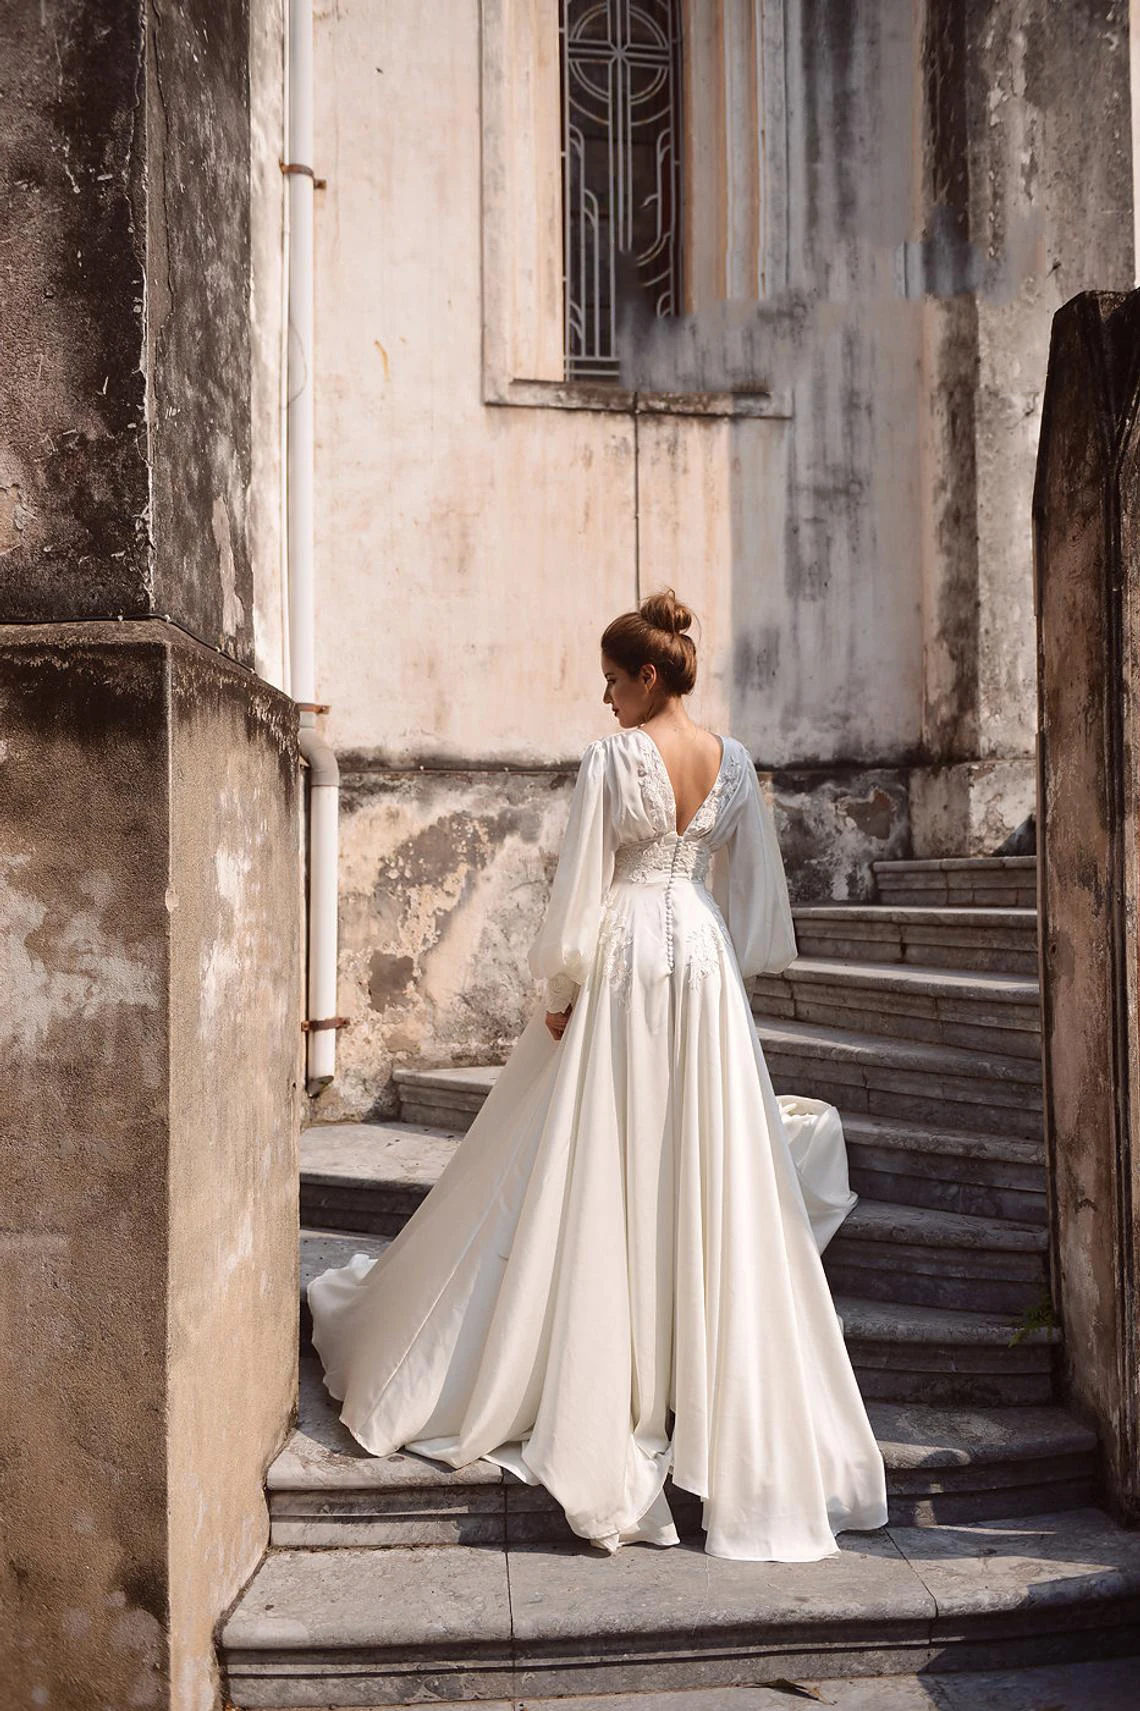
[{"x": 615, "y": 400}]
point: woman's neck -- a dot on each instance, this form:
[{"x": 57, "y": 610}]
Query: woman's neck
[{"x": 671, "y": 715}]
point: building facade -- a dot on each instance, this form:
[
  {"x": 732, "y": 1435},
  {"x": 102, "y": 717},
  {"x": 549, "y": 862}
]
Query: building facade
[{"x": 825, "y": 441}]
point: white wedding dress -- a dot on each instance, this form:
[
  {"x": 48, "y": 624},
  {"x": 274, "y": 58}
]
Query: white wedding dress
[{"x": 617, "y": 1276}]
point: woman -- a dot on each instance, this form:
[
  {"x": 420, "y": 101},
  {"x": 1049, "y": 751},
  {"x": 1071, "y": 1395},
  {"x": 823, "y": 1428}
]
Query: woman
[{"x": 618, "y": 1274}]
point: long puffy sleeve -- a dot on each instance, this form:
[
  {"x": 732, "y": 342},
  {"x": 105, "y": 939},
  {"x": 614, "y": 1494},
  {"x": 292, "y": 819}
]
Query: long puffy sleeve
[
  {"x": 563, "y": 951},
  {"x": 750, "y": 887}
]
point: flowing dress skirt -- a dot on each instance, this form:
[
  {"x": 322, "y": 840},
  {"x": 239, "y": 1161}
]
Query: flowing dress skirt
[{"x": 617, "y": 1276}]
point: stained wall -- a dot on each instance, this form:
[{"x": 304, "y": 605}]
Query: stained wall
[
  {"x": 149, "y": 844},
  {"x": 934, "y": 181}
]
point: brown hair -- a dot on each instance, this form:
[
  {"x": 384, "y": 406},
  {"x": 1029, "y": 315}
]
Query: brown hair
[{"x": 654, "y": 635}]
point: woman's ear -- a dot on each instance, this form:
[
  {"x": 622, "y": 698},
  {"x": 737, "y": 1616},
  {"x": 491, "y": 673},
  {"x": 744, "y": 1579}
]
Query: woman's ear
[{"x": 648, "y": 675}]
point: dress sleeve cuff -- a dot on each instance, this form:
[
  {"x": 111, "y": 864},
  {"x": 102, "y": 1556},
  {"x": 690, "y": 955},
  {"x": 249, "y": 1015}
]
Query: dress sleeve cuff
[{"x": 560, "y": 992}]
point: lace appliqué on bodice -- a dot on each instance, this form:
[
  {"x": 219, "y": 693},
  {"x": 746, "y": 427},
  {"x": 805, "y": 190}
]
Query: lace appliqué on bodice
[
  {"x": 670, "y": 856},
  {"x": 662, "y": 858}
]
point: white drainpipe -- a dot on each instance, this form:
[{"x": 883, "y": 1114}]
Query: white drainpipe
[{"x": 324, "y": 776}]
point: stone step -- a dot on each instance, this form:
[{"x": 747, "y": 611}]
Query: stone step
[
  {"x": 945, "y": 1087},
  {"x": 1098, "y": 1684},
  {"x": 445, "y": 1099},
  {"x": 863, "y": 1074},
  {"x": 942, "y": 1465},
  {"x": 945, "y": 1357},
  {"x": 1008, "y": 882},
  {"x": 990, "y": 1176},
  {"x": 369, "y": 1176},
  {"x": 991, "y": 1013},
  {"x": 922, "y": 1254},
  {"x": 370, "y": 1627},
  {"x": 998, "y": 939},
  {"x": 372, "y": 1176},
  {"x": 931, "y": 1258}
]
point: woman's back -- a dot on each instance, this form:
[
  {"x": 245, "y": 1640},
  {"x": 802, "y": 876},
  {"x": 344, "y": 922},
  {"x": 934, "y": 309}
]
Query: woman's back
[{"x": 692, "y": 763}]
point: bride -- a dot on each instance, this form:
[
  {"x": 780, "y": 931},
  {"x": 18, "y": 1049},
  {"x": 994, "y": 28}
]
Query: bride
[{"x": 617, "y": 1277}]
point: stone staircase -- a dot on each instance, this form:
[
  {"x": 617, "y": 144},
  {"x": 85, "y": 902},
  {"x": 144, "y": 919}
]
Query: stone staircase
[{"x": 918, "y": 1017}]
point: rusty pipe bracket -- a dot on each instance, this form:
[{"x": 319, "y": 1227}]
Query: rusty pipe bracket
[
  {"x": 288, "y": 166},
  {"x": 314, "y": 706},
  {"x": 308, "y": 1027}
]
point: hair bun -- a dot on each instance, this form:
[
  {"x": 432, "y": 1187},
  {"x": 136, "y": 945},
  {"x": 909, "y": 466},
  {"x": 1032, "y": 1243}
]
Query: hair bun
[{"x": 665, "y": 612}]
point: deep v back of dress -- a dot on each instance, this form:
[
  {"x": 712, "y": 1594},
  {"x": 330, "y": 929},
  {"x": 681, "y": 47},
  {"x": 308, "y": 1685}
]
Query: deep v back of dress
[
  {"x": 693, "y": 782},
  {"x": 617, "y": 1277}
]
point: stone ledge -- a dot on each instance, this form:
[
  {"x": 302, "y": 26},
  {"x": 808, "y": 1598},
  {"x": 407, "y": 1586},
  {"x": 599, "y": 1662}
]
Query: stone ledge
[
  {"x": 618, "y": 400},
  {"x": 958, "y": 864},
  {"x": 401, "y": 1623},
  {"x": 843, "y": 1045},
  {"x": 912, "y": 979}
]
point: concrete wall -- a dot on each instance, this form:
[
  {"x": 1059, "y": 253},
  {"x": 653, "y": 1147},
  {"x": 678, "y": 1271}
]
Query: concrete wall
[
  {"x": 149, "y": 829},
  {"x": 151, "y": 960},
  {"x": 470, "y": 556},
  {"x": 234, "y": 1090},
  {"x": 85, "y": 1031},
  {"x": 1027, "y": 200},
  {"x": 933, "y": 181},
  {"x": 73, "y": 470},
  {"x": 265, "y": 515}
]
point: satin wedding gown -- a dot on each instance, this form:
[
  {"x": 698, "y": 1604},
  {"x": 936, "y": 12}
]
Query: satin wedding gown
[{"x": 617, "y": 1276}]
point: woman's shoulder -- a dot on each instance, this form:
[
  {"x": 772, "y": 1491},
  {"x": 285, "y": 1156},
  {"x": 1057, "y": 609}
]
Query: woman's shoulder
[{"x": 614, "y": 742}]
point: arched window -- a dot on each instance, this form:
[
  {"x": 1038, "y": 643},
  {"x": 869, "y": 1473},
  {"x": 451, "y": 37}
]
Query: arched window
[{"x": 621, "y": 168}]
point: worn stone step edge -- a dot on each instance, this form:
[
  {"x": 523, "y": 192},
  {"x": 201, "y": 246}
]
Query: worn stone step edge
[
  {"x": 874, "y": 1221},
  {"x": 863, "y": 1320},
  {"x": 1017, "y": 919},
  {"x": 942, "y": 1464},
  {"x": 374, "y": 1176},
  {"x": 406, "y": 1159},
  {"x": 914, "y": 1138},
  {"x": 900, "y": 1351},
  {"x": 885, "y": 1052},
  {"x": 424, "y": 1148},
  {"x": 913, "y": 980},
  {"x": 912, "y": 1438},
  {"x": 949, "y": 1182},
  {"x": 1014, "y": 1032},
  {"x": 1036, "y": 1587},
  {"x": 905, "y": 953},
  {"x": 887, "y": 1222},
  {"x": 468, "y": 1085},
  {"x": 956, "y": 864}
]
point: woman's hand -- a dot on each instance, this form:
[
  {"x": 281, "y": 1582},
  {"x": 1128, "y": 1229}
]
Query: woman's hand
[{"x": 556, "y": 1021}]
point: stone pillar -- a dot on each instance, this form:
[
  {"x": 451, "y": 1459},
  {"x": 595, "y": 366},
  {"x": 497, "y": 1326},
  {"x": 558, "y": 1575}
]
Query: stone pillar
[
  {"x": 149, "y": 859},
  {"x": 1027, "y": 201},
  {"x": 1087, "y": 558}
]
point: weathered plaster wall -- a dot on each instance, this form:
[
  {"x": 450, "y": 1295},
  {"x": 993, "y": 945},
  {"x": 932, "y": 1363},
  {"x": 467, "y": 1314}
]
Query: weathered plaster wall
[
  {"x": 73, "y": 474},
  {"x": 1028, "y": 191},
  {"x": 469, "y": 556},
  {"x": 150, "y": 963},
  {"x": 149, "y": 939},
  {"x": 445, "y": 875},
  {"x": 267, "y": 335},
  {"x": 1050, "y": 176},
  {"x": 85, "y": 1036},
  {"x": 199, "y": 359},
  {"x": 125, "y": 455},
  {"x": 235, "y": 1002},
  {"x": 861, "y": 564}
]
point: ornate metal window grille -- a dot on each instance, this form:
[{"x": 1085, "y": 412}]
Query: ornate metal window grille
[{"x": 621, "y": 167}]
